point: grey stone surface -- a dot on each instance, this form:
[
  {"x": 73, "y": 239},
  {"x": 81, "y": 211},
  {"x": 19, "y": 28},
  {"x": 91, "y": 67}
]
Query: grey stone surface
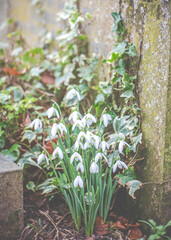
[
  {"x": 4, "y": 10},
  {"x": 147, "y": 25},
  {"x": 11, "y": 199}
]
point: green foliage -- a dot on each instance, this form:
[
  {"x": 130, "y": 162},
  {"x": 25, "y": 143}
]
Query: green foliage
[{"x": 159, "y": 231}]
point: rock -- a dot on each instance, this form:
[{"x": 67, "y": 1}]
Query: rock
[{"x": 11, "y": 199}]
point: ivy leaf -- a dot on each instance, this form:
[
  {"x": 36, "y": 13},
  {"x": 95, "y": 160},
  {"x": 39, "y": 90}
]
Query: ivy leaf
[
  {"x": 121, "y": 125},
  {"x": 136, "y": 140},
  {"x": 31, "y": 186},
  {"x": 129, "y": 175},
  {"x": 118, "y": 27},
  {"x": 85, "y": 73},
  {"x": 122, "y": 180},
  {"x": 106, "y": 87},
  {"x": 13, "y": 153},
  {"x": 127, "y": 94},
  {"x": 131, "y": 51},
  {"x": 29, "y": 135},
  {"x": 83, "y": 88},
  {"x": 100, "y": 98},
  {"x": 17, "y": 94},
  {"x": 16, "y": 51},
  {"x": 35, "y": 71},
  {"x": 4, "y": 97},
  {"x": 120, "y": 48},
  {"x": 133, "y": 186},
  {"x": 64, "y": 79},
  {"x": 114, "y": 57},
  {"x": 27, "y": 159},
  {"x": 10, "y": 155}
]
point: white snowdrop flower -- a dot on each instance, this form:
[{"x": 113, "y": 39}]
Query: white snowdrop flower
[
  {"x": 89, "y": 135},
  {"x": 119, "y": 164},
  {"x": 78, "y": 182},
  {"x": 87, "y": 145},
  {"x": 77, "y": 145},
  {"x": 72, "y": 93},
  {"x": 94, "y": 168},
  {"x": 83, "y": 122},
  {"x": 78, "y": 124},
  {"x": 41, "y": 157},
  {"x": 96, "y": 141},
  {"x": 81, "y": 135},
  {"x": 76, "y": 156},
  {"x": 106, "y": 118},
  {"x": 36, "y": 123},
  {"x": 74, "y": 116},
  {"x": 51, "y": 111},
  {"x": 80, "y": 167},
  {"x": 121, "y": 145},
  {"x": 104, "y": 145},
  {"x": 89, "y": 119},
  {"x": 57, "y": 151},
  {"x": 62, "y": 128},
  {"x": 54, "y": 129},
  {"x": 100, "y": 156}
]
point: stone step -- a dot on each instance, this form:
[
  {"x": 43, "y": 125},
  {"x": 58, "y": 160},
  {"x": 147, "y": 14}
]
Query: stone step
[{"x": 11, "y": 199}]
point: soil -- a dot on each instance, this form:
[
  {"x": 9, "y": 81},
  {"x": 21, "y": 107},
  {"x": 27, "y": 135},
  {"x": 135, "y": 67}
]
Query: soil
[{"x": 46, "y": 220}]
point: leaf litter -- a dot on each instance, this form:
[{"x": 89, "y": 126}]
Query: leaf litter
[{"x": 52, "y": 220}]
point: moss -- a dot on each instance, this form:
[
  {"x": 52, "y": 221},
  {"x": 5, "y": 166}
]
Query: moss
[{"x": 148, "y": 25}]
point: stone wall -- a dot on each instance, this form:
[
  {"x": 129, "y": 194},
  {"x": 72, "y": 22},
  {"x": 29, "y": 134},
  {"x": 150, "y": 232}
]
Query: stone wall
[{"x": 148, "y": 24}]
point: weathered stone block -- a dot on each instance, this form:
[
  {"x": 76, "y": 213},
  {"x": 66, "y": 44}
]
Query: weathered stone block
[{"x": 11, "y": 199}]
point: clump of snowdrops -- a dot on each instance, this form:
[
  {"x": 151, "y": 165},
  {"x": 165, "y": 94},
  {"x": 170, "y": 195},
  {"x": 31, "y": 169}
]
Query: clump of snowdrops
[{"x": 86, "y": 161}]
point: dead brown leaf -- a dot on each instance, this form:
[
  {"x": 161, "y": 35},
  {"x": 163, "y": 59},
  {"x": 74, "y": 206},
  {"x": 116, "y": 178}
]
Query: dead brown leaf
[
  {"x": 118, "y": 225},
  {"x": 11, "y": 71},
  {"x": 27, "y": 120},
  {"x": 100, "y": 228},
  {"x": 49, "y": 147},
  {"x": 123, "y": 220},
  {"x": 47, "y": 79},
  {"x": 135, "y": 233}
]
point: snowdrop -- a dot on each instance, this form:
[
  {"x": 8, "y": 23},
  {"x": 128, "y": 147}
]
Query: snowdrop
[
  {"x": 59, "y": 126},
  {"x": 74, "y": 116},
  {"x": 41, "y": 157},
  {"x": 76, "y": 156},
  {"x": 121, "y": 145},
  {"x": 36, "y": 123},
  {"x": 81, "y": 135},
  {"x": 54, "y": 129},
  {"x": 106, "y": 118},
  {"x": 93, "y": 139},
  {"x": 77, "y": 145},
  {"x": 87, "y": 145},
  {"x": 94, "y": 168},
  {"x": 51, "y": 111},
  {"x": 78, "y": 124},
  {"x": 96, "y": 141},
  {"x": 119, "y": 164},
  {"x": 104, "y": 145},
  {"x": 59, "y": 151},
  {"x": 100, "y": 156},
  {"x": 88, "y": 119},
  {"x": 72, "y": 93},
  {"x": 62, "y": 128},
  {"x": 80, "y": 167},
  {"x": 78, "y": 182}
]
